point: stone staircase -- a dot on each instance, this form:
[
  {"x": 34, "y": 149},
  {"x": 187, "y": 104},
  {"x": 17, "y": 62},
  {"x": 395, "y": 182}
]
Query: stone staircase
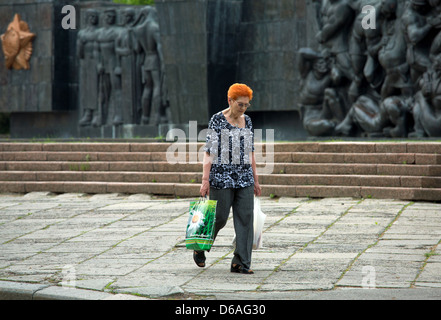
[{"x": 401, "y": 170}]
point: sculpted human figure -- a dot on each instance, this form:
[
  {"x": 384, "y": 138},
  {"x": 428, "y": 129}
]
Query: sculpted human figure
[
  {"x": 427, "y": 107},
  {"x": 147, "y": 35},
  {"x": 397, "y": 110},
  {"x": 320, "y": 105},
  {"x": 125, "y": 40},
  {"x": 363, "y": 57},
  {"x": 364, "y": 44},
  {"x": 108, "y": 69},
  {"x": 366, "y": 111},
  {"x": 88, "y": 79},
  {"x": 337, "y": 17},
  {"x": 378, "y": 117},
  {"x": 126, "y": 69},
  {"x": 392, "y": 55},
  {"x": 373, "y": 70},
  {"x": 357, "y": 53},
  {"x": 435, "y": 13},
  {"x": 417, "y": 31}
]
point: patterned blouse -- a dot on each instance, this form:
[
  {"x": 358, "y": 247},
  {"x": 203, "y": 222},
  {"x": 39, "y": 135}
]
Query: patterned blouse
[{"x": 230, "y": 147}]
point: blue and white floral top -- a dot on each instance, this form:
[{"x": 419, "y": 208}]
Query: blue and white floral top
[{"x": 231, "y": 149}]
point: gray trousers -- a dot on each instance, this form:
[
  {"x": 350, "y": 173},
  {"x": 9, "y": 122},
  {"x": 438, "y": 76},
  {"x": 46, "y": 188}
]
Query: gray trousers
[{"x": 242, "y": 201}]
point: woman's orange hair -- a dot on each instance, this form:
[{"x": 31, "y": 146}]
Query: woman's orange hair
[{"x": 240, "y": 90}]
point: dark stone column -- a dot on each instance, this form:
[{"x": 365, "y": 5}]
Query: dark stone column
[{"x": 200, "y": 51}]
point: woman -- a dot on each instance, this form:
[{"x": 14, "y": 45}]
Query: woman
[{"x": 229, "y": 174}]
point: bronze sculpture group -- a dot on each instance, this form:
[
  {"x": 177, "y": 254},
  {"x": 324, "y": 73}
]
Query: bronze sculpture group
[{"x": 374, "y": 82}]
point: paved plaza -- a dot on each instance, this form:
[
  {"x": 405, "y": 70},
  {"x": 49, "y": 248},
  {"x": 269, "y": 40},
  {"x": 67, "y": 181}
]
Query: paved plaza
[{"x": 114, "y": 246}]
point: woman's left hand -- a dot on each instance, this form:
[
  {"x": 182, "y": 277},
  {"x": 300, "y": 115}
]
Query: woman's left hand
[{"x": 257, "y": 189}]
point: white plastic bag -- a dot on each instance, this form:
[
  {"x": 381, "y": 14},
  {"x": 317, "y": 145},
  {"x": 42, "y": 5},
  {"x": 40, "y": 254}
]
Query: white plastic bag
[{"x": 259, "y": 221}]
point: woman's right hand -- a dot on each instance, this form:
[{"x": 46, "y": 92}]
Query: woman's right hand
[{"x": 205, "y": 188}]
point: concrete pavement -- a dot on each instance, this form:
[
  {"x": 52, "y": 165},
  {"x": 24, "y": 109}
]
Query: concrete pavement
[{"x": 112, "y": 246}]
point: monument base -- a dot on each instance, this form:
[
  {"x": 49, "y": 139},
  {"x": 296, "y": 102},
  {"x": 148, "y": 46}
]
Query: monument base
[
  {"x": 133, "y": 131},
  {"x": 43, "y": 125},
  {"x": 126, "y": 131}
]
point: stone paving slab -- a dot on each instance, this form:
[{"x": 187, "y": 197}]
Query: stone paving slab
[{"x": 116, "y": 246}]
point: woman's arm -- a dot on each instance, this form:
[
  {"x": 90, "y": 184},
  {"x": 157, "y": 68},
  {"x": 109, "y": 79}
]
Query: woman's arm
[
  {"x": 257, "y": 189},
  {"x": 205, "y": 187}
]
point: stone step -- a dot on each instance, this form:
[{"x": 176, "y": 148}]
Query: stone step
[
  {"x": 196, "y": 177},
  {"x": 401, "y": 170},
  {"x": 280, "y": 157},
  {"x": 88, "y": 147},
  {"x": 150, "y": 166},
  {"x": 278, "y": 168},
  {"x": 167, "y": 177},
  {"x": 360, "y": 147},
  {"x": 351, "y": 180},
  {"x": 359, "y": 169},
  {"x": 315, "y": 147},
  {"x": 415, "y": 194},
  {"x": 192, "y": 190},
  {"x": 169, "y": 189}
]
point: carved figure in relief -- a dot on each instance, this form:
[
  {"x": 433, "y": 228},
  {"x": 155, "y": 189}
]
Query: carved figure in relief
[
  {"x": 148, "y": 41},
  {"x": 86, "y": 42}
]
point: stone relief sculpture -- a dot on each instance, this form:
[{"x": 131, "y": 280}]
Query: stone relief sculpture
[
  {"x": 126, "y": 68},
  {"x": 109, "y": 70},
  {"x": 121, "y": 68},
  {"x": 17, "y": 44},
  {"x": 417, "y": 30},
  {"x": 148, "y": 42},
  {"x": 337, "y": 16},
  {"x": 393, "y": 69},
  {"x": 88, "y": 77},
  {"x": 364, "y": 45},
  {"x": 392, "y": 55},
  {"x": 427, "y": 107},
  {"x": 320, "y": 105}
]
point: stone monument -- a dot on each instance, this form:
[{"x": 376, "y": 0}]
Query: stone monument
[
  {"x": 210, "y": 44},
  {"x": 128, "y": 95},
  {"x": 356, "y": 68},
  {"x": 393, "y": 67},
  {"x": 41, "y": 95},
  {"x": 88, "y": 89}
]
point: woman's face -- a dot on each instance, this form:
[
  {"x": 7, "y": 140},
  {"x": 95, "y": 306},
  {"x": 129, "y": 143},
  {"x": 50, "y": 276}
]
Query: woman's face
[{"x": 239, "y": 105}]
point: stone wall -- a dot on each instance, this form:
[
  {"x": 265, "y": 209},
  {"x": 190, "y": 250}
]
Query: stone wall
[
  {"x": 200, "y": 40},
  {"x": 48, "y": 91},
  {"x": 208, "y": 45},
  {"x": 272, "y": 32}
]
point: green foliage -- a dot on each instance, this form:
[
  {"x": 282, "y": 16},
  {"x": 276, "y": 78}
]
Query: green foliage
[{"x": 135, "y": 2}]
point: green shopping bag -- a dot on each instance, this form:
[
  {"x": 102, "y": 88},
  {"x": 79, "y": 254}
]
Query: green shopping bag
[{"x": 200, "y": 226}]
